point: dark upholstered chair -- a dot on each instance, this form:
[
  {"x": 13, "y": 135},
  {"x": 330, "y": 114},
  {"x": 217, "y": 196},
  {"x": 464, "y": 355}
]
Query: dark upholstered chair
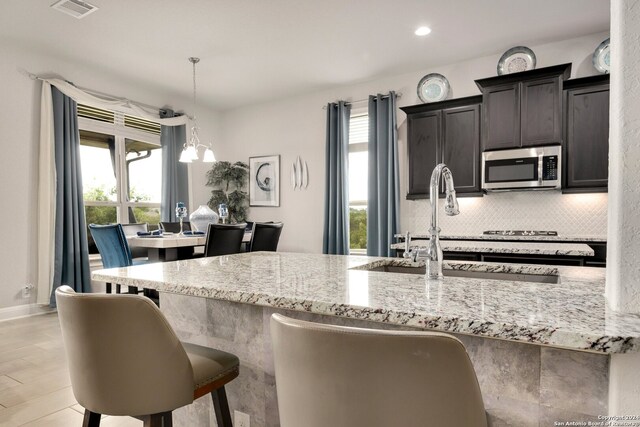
[
  {"x": 265, "y": 236},
  {"x": 132, "y": 230},
  {"x": 174, "y": 227},
  {"x": 125, "y": 359},
  {"x": 224, "y": 239},
  {"x": 114, "y": 249}
]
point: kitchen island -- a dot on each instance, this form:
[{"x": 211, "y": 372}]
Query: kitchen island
[{"x": 542, "y": 351}]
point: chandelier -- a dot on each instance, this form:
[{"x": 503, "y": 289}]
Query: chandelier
[{"x": 190, "y": 149}]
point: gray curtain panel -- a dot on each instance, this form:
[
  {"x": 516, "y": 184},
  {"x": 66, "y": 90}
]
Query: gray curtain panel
[
  {"x": 336, "y": 200},
  {"x": 71, "y": 253},
  {"x": 383, "y": 219},
  {"x": 175, "y": 180}
]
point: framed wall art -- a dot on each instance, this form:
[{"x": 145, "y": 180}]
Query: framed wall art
[{"x": 264, "y": 181}]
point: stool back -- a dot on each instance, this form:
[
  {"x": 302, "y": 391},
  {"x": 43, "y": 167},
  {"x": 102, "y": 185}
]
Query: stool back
[
  {"x": 343, "y": 377},
  {"x": 124, "y": 358}
]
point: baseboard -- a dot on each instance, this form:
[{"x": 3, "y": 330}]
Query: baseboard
[{"x": 24, "y": 310}]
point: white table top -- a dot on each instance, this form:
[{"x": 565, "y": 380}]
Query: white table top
[{"x": 172, "y": 241}]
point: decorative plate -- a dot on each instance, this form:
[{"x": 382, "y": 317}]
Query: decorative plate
[
  {"x": 433, "y": 87},
  {"x": 516, "y": 59},
  {"x": 601, "y": 58}
]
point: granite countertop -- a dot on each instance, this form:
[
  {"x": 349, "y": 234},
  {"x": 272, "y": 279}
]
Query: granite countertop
[
  {"x": 594, "y": 239},
  {"x": 571, "y": 314},
  {"x": 529, "y": 248}
]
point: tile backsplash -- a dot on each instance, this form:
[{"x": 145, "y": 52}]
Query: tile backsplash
[{"x": 568, "y": 214}]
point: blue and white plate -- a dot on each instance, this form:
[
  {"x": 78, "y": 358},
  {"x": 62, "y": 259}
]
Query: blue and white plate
[
  {"x": 433, "y": 87},
  {"x": 516, "y": 60},
  {"x": 601, "y": 57}
]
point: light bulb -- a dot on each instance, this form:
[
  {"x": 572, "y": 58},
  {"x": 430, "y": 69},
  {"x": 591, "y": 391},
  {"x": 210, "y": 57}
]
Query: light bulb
[
  {"x": 422, "y": 31},
  {"x": 185, "y": 157},
  {"x": 192, "y": 152},
  {"x": 208, "y": 157}
]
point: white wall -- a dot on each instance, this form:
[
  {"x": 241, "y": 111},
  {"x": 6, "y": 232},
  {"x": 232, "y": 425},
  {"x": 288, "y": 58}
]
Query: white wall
[
  {"x": 296, "y": 126},
  {"x": 623, "y": 269},
  {"x": 19, "y": 131}
]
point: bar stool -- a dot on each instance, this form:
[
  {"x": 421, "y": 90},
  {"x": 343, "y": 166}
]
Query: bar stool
[
  {"x": 350, "y": 377},
  {"x": 125, "y": 359}
]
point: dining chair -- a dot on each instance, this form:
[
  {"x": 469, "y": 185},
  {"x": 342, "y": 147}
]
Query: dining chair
[
  {"x": 224, "y": 239},
  {"x": 265, "y": 236},
  {"x": 114, "y": 249},
  {"x": 340, "y": 376},
  {"x": 132, "y": 230},
  {"x": 125, "y": 359},
  {"x": 174, "y": 227}
]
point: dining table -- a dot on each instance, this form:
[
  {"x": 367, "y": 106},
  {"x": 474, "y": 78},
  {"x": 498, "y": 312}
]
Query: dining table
[{"x": 172, "y": 247}]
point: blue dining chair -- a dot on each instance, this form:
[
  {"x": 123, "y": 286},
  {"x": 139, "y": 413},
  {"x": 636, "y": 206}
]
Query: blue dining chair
[{"x": 114, "y": 249}]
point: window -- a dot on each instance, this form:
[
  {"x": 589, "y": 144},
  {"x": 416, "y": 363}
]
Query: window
[
  {"x": 121, "y": 160},
  {"x": 358, "y": 166}
]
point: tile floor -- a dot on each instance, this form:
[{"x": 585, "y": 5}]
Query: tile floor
[{"x": 34, "y": 381}]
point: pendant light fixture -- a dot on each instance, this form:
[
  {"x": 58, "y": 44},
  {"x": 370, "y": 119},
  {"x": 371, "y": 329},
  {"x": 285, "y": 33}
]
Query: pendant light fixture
[{"x": 190, "y": 149}]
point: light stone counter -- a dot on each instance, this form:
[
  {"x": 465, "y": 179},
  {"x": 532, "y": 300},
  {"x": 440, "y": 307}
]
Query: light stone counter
[
  {"x": 226, "y": 303},
  {"x": 492, "y": 247},
  {"x": 571, "y": 314},
  {"x": 561, "y": 238}
]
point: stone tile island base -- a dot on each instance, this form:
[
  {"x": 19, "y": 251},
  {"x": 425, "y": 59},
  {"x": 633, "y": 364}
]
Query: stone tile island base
[{"x": 522, "y": 384}]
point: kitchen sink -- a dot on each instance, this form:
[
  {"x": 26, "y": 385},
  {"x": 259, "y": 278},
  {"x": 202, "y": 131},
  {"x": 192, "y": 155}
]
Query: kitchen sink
[{"x": 517, "y": 276}]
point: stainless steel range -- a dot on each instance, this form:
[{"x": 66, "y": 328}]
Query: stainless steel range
[{"x": 519, "y": 233}]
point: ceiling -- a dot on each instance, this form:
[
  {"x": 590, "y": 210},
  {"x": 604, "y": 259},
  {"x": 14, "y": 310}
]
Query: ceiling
[{"x": 255, "y": 50}]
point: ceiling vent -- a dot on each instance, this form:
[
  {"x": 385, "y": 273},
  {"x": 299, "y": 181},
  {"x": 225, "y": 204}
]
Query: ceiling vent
[{"x": 76, "y": 8}]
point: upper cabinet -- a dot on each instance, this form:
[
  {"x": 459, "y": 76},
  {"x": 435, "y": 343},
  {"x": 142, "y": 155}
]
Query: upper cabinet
[
  {"x": 449, "y": 132},
  {"x": 586, "y": 148},
  {"x": 523, "y": 109}
]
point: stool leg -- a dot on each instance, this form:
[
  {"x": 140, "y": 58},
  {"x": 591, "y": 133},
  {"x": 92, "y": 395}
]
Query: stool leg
[
  {"x": 91, "y": 419},
  {"x": 167, "y": 420},
  {"x": 221, "y": 407},
  {"x": 162, "y": 419}
]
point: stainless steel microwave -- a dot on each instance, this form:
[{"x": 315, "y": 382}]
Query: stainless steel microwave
[{"x": 522, "y": 169}]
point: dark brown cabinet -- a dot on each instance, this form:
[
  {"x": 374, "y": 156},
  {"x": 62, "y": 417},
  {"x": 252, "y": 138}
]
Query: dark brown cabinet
[
  {"x": 523, "y": 109},
  {"x": 449, "y": 132},
  {"x": 461, "y": 146},
  {"x": 423, "y": 134},
  {"x": 586, "y": 150}
]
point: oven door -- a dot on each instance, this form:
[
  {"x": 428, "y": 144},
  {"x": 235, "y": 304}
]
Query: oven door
[{"x": 512, "y": 169}]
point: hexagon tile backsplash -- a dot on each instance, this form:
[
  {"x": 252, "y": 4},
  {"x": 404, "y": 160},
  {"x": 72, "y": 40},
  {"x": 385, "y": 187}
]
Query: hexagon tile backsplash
[{"x": 568, "y": 214}]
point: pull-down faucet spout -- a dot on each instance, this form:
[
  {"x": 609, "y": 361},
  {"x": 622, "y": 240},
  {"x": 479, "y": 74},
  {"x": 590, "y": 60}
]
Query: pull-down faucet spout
[{"x": 434, "y": 250}]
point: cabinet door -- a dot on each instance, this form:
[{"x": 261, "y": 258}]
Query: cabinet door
[
  {"x": 501, "y": 117},
  {"x": 423, "y": 134},
  {"x": 461, "y": 146},
  {"x": 541, "y": 114},
  {"x": 586, "y": 156}
]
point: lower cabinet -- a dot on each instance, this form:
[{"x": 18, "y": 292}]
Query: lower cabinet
[{"x": 598, "y": 260}]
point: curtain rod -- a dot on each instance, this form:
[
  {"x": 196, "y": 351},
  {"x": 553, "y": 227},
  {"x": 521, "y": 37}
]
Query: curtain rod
[
  {"x": 33, "y": 76},
  {"x": 398, "y": 95}
]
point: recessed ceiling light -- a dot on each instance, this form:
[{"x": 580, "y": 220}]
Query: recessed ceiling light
[{"x": 423, "y": 31}]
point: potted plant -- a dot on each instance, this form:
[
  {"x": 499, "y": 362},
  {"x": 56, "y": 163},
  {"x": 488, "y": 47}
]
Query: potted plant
[{"x": 229, "y": 181}]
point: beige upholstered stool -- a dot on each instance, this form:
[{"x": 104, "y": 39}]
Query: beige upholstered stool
[
  {"x": 125, "y": 359},
  {"x": 350, "y": 377}
]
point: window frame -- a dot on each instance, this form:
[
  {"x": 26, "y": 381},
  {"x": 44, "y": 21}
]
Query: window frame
[
  {"x": 358, "y": 147},
  {"x": 121, "y": 133}
]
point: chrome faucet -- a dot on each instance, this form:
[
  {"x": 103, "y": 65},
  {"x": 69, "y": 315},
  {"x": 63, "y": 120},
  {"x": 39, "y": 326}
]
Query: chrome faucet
[
  {"x": 434, "y": 250},
  {"x": 433, "y": 254}
]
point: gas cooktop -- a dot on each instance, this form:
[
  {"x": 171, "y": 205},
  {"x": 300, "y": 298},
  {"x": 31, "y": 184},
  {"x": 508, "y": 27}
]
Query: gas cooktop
[{"x": 519, "y": 233}]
